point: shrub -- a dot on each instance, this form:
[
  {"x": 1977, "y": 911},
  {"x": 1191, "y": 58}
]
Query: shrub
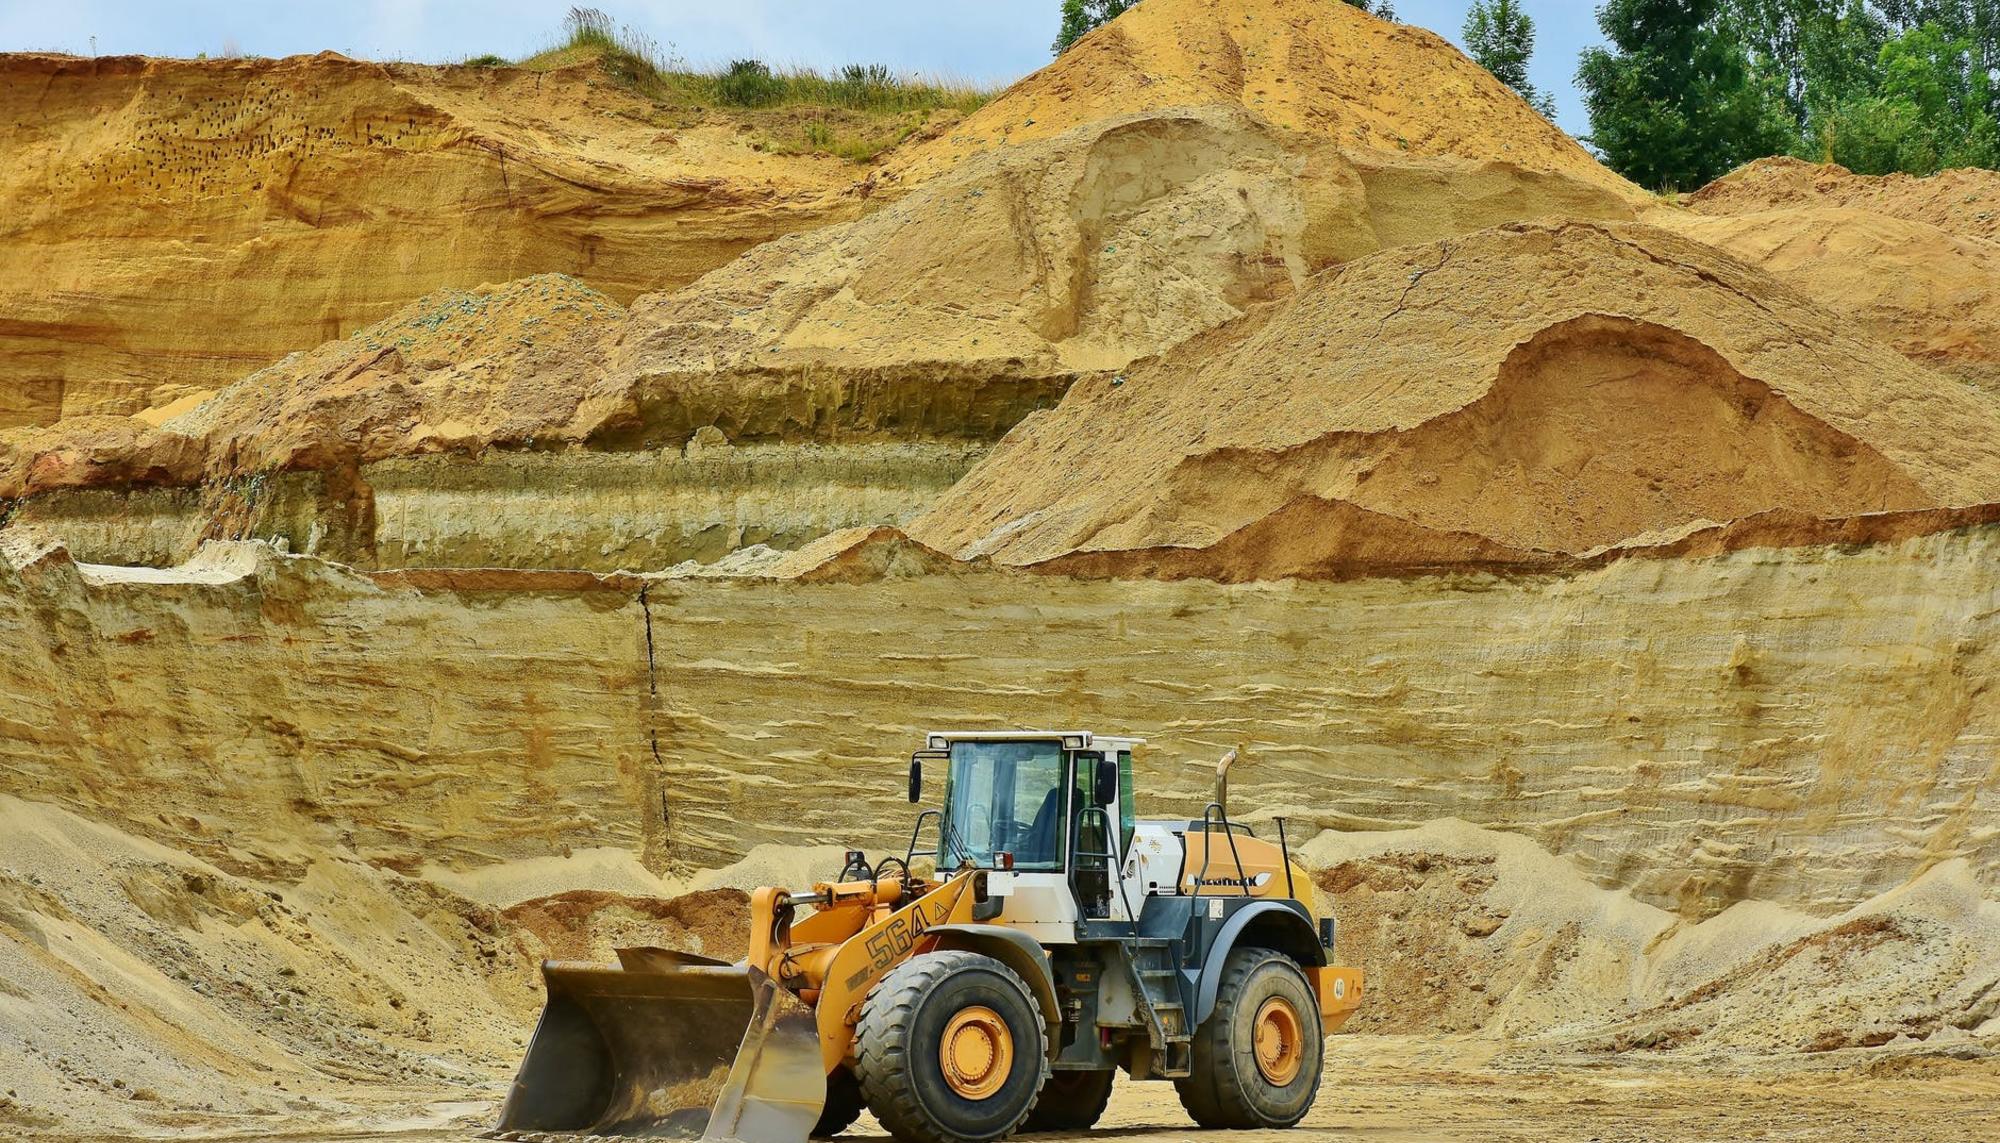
[{"x": 749, "y": 83}]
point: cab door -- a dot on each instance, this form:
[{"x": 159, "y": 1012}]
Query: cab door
[{"x": 1096, "y": 837}]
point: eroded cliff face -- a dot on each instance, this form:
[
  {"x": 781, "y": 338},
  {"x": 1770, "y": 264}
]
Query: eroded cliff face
[
  {"x": 170, "y": 225},
  {"x": 1807, "y": 726}
]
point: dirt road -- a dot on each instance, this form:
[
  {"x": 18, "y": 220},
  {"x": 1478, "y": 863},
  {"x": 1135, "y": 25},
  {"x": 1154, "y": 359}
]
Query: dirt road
[{"x": 1407, "y": 1089}]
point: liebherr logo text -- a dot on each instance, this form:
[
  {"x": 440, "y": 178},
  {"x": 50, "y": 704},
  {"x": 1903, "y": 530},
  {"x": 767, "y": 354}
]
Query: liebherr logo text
[
  {"x": 893, "y": 942},
  {"x": 1257, "y": 882}
]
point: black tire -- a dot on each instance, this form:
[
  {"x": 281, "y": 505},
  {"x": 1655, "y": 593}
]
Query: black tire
[
  {"x": 1227, "y": 1088},
  {"x": 843, "y": 1104},
  {"x": 1071, "y": 1101},
  {"x": 902, "y": 1026}
]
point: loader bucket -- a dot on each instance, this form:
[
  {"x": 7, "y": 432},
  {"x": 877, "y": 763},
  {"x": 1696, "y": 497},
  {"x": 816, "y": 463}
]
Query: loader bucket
[{"x": 668, "y": 1046}]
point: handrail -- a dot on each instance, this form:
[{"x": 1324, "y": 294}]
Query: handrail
[
  {"x": 914, "y": 852},
  {"x": 1285, "y": 855},
  {"x": 1211, "y": 815},
  {"x": 947, "y": 836}
]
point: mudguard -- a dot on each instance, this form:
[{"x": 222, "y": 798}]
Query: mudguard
[
  {"x": 1279, "y": 925},
  {"x": 1018, "y": 951}
]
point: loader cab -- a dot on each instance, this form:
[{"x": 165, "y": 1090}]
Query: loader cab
[{"x": 1049, "y": 813}]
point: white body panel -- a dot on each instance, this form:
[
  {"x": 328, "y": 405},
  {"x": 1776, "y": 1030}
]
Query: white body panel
[
  {"x": 1039, "y": 904},
  {"x": 1154, "y": 865}
]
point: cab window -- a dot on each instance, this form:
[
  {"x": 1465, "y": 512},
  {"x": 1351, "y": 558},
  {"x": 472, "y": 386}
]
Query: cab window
[{"x": 1005, "y": 797}]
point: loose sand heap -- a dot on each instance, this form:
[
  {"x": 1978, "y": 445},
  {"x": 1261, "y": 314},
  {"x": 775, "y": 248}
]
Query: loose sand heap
[
  {"x": 453, "y": 371},
  {"x": 142, "y": 989},
  {"x": 1329, "y": 72},
  {"x": 1468, "y": 930},
  {"x": 1915, "y": 262},
  {"x": 1962, "y": 203},
  {"x": 1419, "y": 408}
]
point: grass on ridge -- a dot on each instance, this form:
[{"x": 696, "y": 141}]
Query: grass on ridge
[{"x": 855, "y": 113}]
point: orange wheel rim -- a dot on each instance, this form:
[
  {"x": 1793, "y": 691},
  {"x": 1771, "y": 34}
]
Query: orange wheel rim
[
  {"x": 1280, "y": 1041},
  {"x": 976, "y": 1052}
]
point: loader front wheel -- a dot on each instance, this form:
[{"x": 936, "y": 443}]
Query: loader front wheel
[
  {"x": 843, "y": 1104},
  {"x": 1257, "y": 1057},
  {"x": 951, "y": 1048}
]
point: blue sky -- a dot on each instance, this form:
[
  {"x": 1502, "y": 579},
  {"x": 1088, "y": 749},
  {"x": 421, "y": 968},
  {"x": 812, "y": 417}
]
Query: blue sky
[{"x": 994, "y": 40}]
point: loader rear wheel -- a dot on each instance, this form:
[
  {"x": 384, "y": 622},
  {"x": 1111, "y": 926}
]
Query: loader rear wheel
[
  {"x": 843, "y": 1104},
  {"x": 951, "y": 1048},
  {"x": 1257, "y": 1057},
  {"x": 1071, "y": 1101}
]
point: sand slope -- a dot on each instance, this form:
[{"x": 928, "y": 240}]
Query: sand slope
[
  {"x": 1914, "y": 262},
  {"x": 1326, "y": 71},
  {"x": 1962, "y": 203},
  {"x": 169, "y": 225},
  {"x": 1643, "y": 385}
]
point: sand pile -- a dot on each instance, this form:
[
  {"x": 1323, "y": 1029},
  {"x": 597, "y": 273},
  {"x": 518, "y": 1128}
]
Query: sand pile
[
  {"x": 1962, "y": 203},
  {"x": 1931, "y": 294},
  {"x": 951, "y": 313},
  {"x": 454, "y": 371},
  {"x": 1468, "y": 930},
  {"x": 1121, "y": 224},
  {"x": 1327, "y": 71},
  {"x": 1914, "y": 262},
  {"x": 1523, "y": 393},
  {"x": 145, "y": 990},
  {"x": 582, "y": 924},
  {"x": 1105, "y": 243}
]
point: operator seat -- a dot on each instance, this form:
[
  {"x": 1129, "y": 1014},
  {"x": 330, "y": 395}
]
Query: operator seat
[{"x": 1038, "y": 845}]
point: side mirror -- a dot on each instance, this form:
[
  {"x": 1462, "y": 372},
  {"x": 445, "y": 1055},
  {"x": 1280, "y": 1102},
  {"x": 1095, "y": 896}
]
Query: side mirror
[
  {"x": 1107, "y": 781},
  {"x": 916, "y": 780}
]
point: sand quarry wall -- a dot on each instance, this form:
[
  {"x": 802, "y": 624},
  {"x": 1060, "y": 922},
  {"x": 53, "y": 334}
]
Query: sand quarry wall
[
  {"x": 171, "y": 224},
  {"x": 1809, "y": 726}
]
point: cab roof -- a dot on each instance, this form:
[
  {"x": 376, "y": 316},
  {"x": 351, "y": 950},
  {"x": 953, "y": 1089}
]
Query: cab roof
[{"x": 1071, "y": 739}]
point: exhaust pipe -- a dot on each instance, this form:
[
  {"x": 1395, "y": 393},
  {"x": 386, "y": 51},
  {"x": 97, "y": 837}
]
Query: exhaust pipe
[{"x": 1222, "y": 781}]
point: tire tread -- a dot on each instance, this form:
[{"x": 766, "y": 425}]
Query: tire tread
[
  {"x": 1212, "y": 1095},
  {"x": 884, "y": 1042}
]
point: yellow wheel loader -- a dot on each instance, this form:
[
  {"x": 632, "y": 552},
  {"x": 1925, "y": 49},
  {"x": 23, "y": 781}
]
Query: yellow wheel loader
[{"x": 1059, "y": 940}]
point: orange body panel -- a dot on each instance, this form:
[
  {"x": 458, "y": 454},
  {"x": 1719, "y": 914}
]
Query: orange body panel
[
  {"x": 869, "y": 955},
  {"x": 1339, "y": 992},
  {"x": 1262, "y": 872}
]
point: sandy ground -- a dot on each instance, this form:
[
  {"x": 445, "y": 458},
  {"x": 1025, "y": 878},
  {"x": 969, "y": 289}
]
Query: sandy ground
[{"x": 1395, "y": 1089}]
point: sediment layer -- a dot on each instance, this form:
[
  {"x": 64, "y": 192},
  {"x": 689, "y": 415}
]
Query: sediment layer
[{"x": 1804, "y": 726}]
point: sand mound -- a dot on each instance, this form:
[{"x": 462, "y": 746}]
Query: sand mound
[
  {"x": 1085, "y": 251},
  {"x": 1914, "y": 261},
  {"x": 1474, "y": 931},
  {"x": 1325, "y": 70},
  {"x": 951, "y": 313},
  {"x": 1962, "y": 203},
  {"x": 1933, "y": 295},
  {"x": 144, "y": 990},
  {"x": 860, "y": 555},
  {"x": 583, "y": 923},
  {"x": 1420, "y": 403},
  {"x": 454, "y": 371}
]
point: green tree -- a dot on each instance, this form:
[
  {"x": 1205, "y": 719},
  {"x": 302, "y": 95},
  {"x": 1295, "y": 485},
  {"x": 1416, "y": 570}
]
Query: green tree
[
  {"x": 1080, "y": 16},
  {"x": 1674, "y": 101},
  {"x": 1501, "y": 37},
  {"x": 1880, "y": 85},
  {"x": 1382, "y": 8}
]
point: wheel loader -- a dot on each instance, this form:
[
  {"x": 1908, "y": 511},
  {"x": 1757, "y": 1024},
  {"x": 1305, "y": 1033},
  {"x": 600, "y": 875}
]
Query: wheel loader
[{"x": 992, "y": 981}]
